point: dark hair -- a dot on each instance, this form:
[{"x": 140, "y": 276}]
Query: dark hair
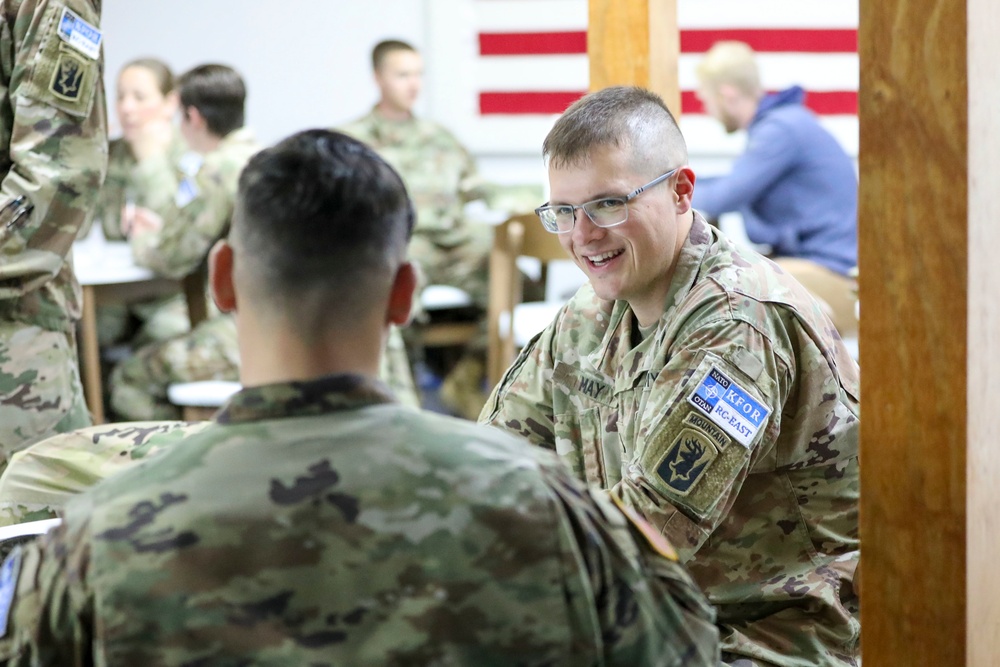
[
  {"x": 387, "y": 46},
  {"x": 321, "y": 224},
  {"x": 159, "y": 69},
  {"x": 218, "y": 93},
  {"x": 626, "y": 117}
]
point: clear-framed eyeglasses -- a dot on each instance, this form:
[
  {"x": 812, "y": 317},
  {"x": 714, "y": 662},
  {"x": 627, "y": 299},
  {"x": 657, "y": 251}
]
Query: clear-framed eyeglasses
[{"x": 603, "y": 212}]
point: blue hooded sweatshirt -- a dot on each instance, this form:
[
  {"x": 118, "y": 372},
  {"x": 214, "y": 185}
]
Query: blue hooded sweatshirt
[{"x": 794, "y": 185}]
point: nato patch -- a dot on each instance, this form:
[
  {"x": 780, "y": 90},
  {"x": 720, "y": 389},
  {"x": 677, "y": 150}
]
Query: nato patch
[
  {"x": 686, "y": 461},
  {"x": 8, "y": 586},
  {"x": 79, "y": 34},
  {"x": 730, "y": 406},
  {"x": 67, "y": 79}
]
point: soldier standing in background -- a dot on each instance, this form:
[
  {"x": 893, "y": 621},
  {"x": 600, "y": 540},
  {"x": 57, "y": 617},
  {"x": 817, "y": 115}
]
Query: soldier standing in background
[
  {"x": 316, "y": 521},
  {"x": 53, "y": 132}
]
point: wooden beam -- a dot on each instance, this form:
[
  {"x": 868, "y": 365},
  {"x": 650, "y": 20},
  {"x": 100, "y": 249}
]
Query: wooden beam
[
  {"x": 635, "y": 42},
  {"x": 930, "y": 324}
]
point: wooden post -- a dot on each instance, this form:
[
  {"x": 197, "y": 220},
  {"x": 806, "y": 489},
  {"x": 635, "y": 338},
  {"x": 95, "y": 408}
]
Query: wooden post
[
  {"x": 930, "y": 325},
  {"x": 635, "y": 42}
]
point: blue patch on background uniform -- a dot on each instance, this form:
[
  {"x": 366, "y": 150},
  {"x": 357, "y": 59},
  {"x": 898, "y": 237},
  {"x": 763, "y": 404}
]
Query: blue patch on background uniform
[
  {"x": 8, "y": 585},
  {"x": 730, "y": 406}
]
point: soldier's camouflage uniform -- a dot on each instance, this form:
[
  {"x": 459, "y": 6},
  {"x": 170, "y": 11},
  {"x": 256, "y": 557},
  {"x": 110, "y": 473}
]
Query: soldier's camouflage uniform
[
  {"x": 321, "y": 523},
  {"x": 53, "y": 155},
  {"x": 764, "y": 514},
  {"x": 440, "y": 176},
  {"x": 42, "y": 478}
]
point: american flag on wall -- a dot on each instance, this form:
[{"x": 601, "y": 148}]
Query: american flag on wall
[{"x": 530, "y": 63}]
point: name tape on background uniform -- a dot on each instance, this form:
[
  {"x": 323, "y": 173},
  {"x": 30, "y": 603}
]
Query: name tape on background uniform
[
  {"x": 730, "y": 406},
  {"x": 79, "y": 34}
]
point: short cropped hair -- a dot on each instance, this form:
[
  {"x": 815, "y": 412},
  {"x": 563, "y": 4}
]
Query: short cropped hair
[
  {"x": 218, "y": 93},
  {"x": 385, "y": 47},
  {"x": 320, "y": 228},
  {"x": 159, "y": 69},
  {"x": 627, "y": 117},
  {"x": 730, "y": 63}
]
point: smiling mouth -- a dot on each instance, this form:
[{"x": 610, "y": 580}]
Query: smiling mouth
[{"x": 603, "y": 258}]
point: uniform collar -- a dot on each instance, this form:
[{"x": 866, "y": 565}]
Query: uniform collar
[{"x": 332, "y": 393}]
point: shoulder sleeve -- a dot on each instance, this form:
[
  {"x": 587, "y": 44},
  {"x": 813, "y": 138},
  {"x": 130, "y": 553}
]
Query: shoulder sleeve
[
  {"x": 521, "y": 403},
  {"x": 58, "y": 138},
  {"x": 712, "y": 414},
  {"x": 49, "y": 610},
  {"x": 648, "y": 609}
]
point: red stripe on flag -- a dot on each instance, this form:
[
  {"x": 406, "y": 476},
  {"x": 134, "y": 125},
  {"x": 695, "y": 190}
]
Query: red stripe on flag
[
  {"x": 531, "y": 43},
  {"x": 774, "y": 41},
  {"x": 692, "y": 41},
  {"x": 526, "y": 102},
  {"x": 825, "y": 103}
]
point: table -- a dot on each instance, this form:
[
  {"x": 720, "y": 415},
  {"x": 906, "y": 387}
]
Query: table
[{"x": 108, "y": 274}]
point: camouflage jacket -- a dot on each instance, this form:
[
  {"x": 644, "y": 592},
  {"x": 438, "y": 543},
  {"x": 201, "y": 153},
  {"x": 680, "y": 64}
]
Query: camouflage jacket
[
  {"x": 733, "y": 428},
  {"x": 439, "y": 173},
  {"x": 321, "y": 523},
  {"x": 119, "y": 185},
  {"x": 40, "y": 480},
  {"x": 53, "y": 152},
  {"x": 198, "y": 209}
]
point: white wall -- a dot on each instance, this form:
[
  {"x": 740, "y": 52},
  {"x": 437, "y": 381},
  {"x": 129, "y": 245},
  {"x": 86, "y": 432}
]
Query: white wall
[{"x": 306, "y": 62}]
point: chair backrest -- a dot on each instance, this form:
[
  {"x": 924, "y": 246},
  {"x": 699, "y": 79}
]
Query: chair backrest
[
  {"x": 520, "y": 236},
  {"x": 194, "y": 293}
]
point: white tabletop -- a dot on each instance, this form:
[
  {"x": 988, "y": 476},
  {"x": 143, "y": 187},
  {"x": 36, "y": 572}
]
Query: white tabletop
[{"x": 100, "y": 262}]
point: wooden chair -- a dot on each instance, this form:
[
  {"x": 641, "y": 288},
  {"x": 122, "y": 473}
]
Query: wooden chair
[{"x": 510, "y": 322}]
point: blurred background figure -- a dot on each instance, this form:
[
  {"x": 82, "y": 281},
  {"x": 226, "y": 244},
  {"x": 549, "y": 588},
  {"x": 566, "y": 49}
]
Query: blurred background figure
[
  {"x": 794, "y": 185},
  {"x": 53, "y": 151},
  {"x": 146, "y": 106}
]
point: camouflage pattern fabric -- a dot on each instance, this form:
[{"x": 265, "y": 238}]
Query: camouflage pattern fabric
[
  {"x": 41, "y": 479},
  {"x": 321, "y": 523},
  {"x": 210, "y": 351},
  {"x": 733, "y": 428},
  {"x": 440, "y": 176},
  {"x": 120, "y": 187},
  {"x": 53, "y": 139},
  {"x": 198, "y": 209}
]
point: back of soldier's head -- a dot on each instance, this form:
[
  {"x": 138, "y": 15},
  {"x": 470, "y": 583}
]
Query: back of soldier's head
[
  {"x": 218, "y": 93},
  {"x": 626, "y": 117},
  {"x": 730, "y": 63},
  {"x": 320, "y": 228}
]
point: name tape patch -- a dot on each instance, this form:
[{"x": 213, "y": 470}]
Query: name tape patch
[
  {"x": 79, "y": 34},
  {"x": 8, "y": 585},
  {"x": 730, "y": 406}
]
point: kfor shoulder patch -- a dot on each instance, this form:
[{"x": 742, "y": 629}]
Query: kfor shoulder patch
[
  {"x": 686, "y": 461},
  {"x": 8, "y": 586},
  {"x": 79, "y": 34},
  {"x": 730, "y": 406}
]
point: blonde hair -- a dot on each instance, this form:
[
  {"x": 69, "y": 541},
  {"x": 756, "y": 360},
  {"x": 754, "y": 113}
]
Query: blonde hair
[{"x": 730, "y": 63}]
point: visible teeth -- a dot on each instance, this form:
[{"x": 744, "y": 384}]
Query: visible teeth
[{"x": 603, "y": 257}]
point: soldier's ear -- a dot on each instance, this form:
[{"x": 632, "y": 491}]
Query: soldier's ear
[
  {"x": 220, "y": 276},
  {"x": 404, "y": 286}
]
